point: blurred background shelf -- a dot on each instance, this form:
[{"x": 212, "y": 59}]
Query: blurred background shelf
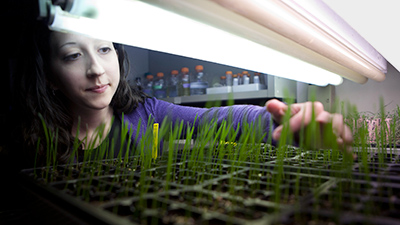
[
  {"x": 275, "y": 89},
  {"x": 250, "y": 95}
]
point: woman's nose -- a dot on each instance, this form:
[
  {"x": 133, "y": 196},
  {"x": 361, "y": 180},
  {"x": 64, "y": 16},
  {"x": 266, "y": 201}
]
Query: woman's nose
[{"x": 95, "y": 68}]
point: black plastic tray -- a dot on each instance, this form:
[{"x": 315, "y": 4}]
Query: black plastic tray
[{"x": 227, "y": 191}]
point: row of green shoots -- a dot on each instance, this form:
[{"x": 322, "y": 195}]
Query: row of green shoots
[{"x": 241, "y": 161}]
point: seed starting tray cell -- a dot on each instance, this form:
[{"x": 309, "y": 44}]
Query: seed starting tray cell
[{"x": 301, "y": 188}]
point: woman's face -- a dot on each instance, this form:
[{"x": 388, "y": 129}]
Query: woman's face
[{"x": 85, "y": 70}]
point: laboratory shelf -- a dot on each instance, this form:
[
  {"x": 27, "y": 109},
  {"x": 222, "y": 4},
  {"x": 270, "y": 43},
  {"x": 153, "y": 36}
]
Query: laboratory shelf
[{"x": 260, "y": 94}]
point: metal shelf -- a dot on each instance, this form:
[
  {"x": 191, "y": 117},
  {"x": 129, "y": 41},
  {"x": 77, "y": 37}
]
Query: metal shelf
[{"x": 260, "y": 94}]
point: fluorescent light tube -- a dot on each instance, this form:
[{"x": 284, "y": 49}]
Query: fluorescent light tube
[
  {"x": 142, "y": 25},
  {"x": 318, "y": 13},
  {"x": 294, "y": 20}
]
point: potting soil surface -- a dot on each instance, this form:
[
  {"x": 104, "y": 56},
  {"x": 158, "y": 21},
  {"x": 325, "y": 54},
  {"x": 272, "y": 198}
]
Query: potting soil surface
[{"x": 299, "y": 187}]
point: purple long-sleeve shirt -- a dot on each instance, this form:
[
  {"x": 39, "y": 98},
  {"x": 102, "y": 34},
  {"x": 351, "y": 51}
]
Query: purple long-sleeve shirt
[{"x": 159, "y": 109}]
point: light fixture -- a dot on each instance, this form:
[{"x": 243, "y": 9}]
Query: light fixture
[
  {"x": 315, "y": 26},
  {"x": 332, "y": 25},
  {"x": 143, "y": 25}
]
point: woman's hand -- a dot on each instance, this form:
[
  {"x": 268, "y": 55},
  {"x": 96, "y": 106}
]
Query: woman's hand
[{"x": 301, "y": 116}]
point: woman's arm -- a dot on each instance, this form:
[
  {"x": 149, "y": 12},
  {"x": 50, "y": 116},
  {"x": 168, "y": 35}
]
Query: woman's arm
[{"x": 301, "y": 114}]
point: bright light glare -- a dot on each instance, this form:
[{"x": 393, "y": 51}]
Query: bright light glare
[{"x": 142, "y": 25}]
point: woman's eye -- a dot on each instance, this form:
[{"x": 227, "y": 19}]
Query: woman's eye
[
  {"x": 105, "y": 50},
  {"x": 72, "y": 57}
]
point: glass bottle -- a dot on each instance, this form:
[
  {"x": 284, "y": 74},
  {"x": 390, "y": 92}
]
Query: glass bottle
[
  {"x": 185, "y": 81},
  {"x": 199, "y": 86},
  {"x": 174, "y": 84},
  {"x": 240, "y": 77},
  {"x": 138, "y": 82},
  {"x": 246, "y": 77},
  {"x": 159, "y": 86},
  {"x": 148, "y": 87},
  {"x": 228, "y": 75},
  {"x": 235, "y": 81},
  {"x": 256, "y": 78},
  {"x": 222, "y": 81}
]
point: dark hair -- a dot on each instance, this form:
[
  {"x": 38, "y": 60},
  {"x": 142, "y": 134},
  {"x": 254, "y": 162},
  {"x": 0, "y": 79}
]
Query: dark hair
[{"x": 39, "y": 102}]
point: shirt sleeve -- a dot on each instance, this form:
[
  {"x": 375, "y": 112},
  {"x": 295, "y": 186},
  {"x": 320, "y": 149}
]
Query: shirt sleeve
[{"x": 256, "y": 116}]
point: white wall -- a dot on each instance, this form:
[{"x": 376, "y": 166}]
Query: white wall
[{"x": 366, "y": 96}]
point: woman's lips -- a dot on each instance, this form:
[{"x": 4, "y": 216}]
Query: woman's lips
[{"x": 98, "y": 88}]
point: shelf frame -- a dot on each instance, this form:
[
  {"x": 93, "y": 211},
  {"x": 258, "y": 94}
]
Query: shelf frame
[{"x": 260, "y": 94}]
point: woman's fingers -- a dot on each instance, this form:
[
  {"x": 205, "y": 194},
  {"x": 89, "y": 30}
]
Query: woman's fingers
[
  {"x": 302, "y": 115},
  {"x": 340, "y": 129},
  {"x": 343, "y": 131},
  {"x": 276, "y": 134},
  {"x": 277, "y": 109}
]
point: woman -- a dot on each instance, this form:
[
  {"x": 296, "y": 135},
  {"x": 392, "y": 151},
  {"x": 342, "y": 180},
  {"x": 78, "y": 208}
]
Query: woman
[{"x": 77, "y": 84}]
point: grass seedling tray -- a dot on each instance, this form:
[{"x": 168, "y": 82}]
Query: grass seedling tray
[
  {"x": 306, "y": 187},
  {"x": 226, "y": 178}
]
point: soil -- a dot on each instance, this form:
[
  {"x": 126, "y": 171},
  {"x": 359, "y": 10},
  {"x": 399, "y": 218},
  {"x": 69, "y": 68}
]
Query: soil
[{"x": 305, "y": 189}]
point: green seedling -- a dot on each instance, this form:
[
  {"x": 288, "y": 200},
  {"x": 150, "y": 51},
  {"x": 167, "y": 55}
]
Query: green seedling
[{"x": 214, "y": 154}]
